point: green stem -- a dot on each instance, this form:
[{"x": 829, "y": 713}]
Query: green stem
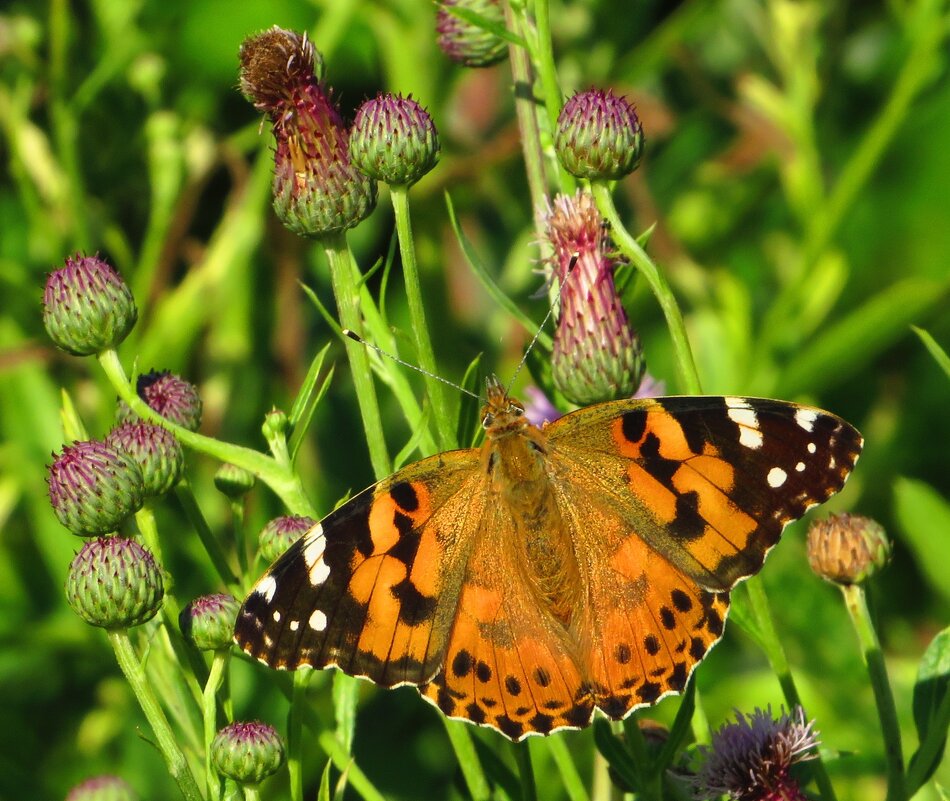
[
  {"x": 417, "y": 316},
  {"x": 344, "y": 762},
  {"x": 877, "y": 672},
  {"x": 209, "y": 712},
  {"x": 295, "y": 733},
  {"x": 661, "y": 289},
  {"x": 211, "y": 545},
  {"x": 282, "y": 480},
  {"x": 570, "y": 777},
  {"x": 164, "y": 736},
  {"x": 252, "y": 792},
  {"x": 237, "y": 527},
  {"x": 529, "y": 790},
  {"x": 347, "y": 296},
  {"x": 475, "y": 779}
]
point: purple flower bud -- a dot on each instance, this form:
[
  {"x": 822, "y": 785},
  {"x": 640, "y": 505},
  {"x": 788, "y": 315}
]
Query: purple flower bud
[
  {"x": 156, "y": 451},
  {"x": 317, "y": 190},
  {"x": 466, "y": 43},
  {"x": 93, "y": 487},
  {"x": 172, "y": 397},
  {"x": 394, "y": 140},
  {"x": 598, "y": 136},
  {"x": 102, "y": 788},
  {"x": 208, "y": 621},
  {"x": 87, "y": 307},
  {"x": 282, "y": 532},
  {"x": 597, "y": 354},
  {"x": 247, "y": 752},
  {"x": 114, "y": 583}
]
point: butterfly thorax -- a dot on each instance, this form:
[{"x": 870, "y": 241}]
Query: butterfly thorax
[{"x": 514, "y": 458}]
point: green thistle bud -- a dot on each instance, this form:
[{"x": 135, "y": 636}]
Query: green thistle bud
[
  {"x": 114, "y": 583},
  {"x": 102, "y": 788},
  {"x": 93, "y": 487},
  {"x": 597, "y": 354},
  {"x": 276, "y": 424},
  {"x": 87, "y": 307},
  {"x": 468, "y": 44},
  {"x": 394, "y": 140},
  {"x": 598, "y": 136},
  {"x": 282, "y": 532},
  {"x": 172, "y": 397},
  {"x": 317, "y": 190},
  {"x": 247, "y": 752},
  {"x": 847, "y": 549},
  {"x": 233, "y": 481},
  {"x": 208, "y": 621},
  {"x": 155, "y": 450}
]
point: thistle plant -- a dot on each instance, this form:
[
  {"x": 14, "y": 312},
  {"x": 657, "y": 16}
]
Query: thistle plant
[{"x": 694, "y": 203}]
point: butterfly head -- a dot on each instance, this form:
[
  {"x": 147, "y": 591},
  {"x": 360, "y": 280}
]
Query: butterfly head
[{"x": 501, "y": 415}]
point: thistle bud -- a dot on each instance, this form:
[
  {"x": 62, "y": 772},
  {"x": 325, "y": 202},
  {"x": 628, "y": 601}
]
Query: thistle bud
[
  {"x": 233, "y": 481},
  {"x": 847, "y": 549},
  {"x": 597, "y": 354},
  {"x": 208, "y": 621},
  {"x": 466, "y": 43},
  {"x": 172, "y": 397},
  {"x": 156, "y": 451},
  {"x": 598, "y": 136},
  {"x": 93, "y": 487},
  {"x": 102, "y": 788},
  {"x": 317, "y": 190},
  {"x": 247, "y": 752},
  {"x": 280, "y": 533},
  {"x": 114, "y": 583},
  {"x": 276, "y": 424},
  {"x": 394, "y": 140},
  {"x": 87, "y": 307}
]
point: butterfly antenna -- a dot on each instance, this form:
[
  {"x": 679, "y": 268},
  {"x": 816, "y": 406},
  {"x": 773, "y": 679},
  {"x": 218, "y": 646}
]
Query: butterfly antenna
[
  {"x": 537, "y": 334},
  {"x": 357, "y": 338}
]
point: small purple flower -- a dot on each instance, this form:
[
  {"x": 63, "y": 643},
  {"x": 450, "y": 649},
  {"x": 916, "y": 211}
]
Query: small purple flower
[
  {"x": 208, "y": 621},
  {"x": 171, "y": 396},
  {"x": 156, "y": 451},
  {"x": 282, "y": 532},
  {"x": 751, "y": 759},
  {"x": 598, "y": 136},
  {"x": 247, "y": 752},
  {"x": 102, "y": 788},
  {"x": 468, "y": 44},
  {"x": 394, "y": 140}
]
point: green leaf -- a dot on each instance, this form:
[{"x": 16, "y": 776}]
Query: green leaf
[
  {"x": 939, "y": 354},
  {"x": 924, "y": 519},
  {"x": 849, "y": 345},
  {"x": 468, "y": 428},
  {"x": 493, "y": 27},
  {"x": 323, "y": 794},
  {"x": 73, "y": 426},
  {"x": 616, "y": 755},
  {"x": 346, "y": 691},
  {"x": 742, "y": 614},
  {"x": 299, "y": 430},
  {"x": 680, "y": 728},
  {"x": 931, "y": 710}
]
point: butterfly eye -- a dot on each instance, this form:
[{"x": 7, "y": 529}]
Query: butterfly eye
[
  {"x": 488, "y": 419},
  {"x": 516, "y": 409}
]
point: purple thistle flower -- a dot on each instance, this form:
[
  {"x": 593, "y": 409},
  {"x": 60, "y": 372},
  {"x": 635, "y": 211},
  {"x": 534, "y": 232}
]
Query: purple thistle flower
[
  {"x": 168, "y": 394},
  {"x": 468, "y": 44},
  {"x": 751, "y": 759}
]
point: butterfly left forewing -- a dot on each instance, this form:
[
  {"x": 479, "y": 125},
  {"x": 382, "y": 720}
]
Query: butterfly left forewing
[{"x": 370, "y": 589}]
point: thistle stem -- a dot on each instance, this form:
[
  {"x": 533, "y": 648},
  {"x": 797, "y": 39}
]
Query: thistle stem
[
  {"x": 209, "y": 711},
  {"x": 295, "y": 733}
]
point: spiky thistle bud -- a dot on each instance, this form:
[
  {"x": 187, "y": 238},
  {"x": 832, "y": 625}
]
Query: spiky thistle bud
[
  {"x": 317, "y": 190},
  {"x": 169, "y": 395},
  {"x": 93, "y": 487},
  {"x": 751, "y": 759},
  {"x": 102, "y": 788},
  {"x": 87, "y": 307},
  {"x": 597, "y": 354},
  {"x": 847, "y": 549},
  {"x": 208, "y": 621},
  {"x": 156, "y": 451},
  {"x": 598, "y": 136},
  {"x": 394, "y": 140},
  {"x": 465, "y": 42},
  {"x": 247, "y": 752},
  {"x": 233, "y": 481},
  {"x": 114, "y": 583},
  {"x": 280, "y": 533}
]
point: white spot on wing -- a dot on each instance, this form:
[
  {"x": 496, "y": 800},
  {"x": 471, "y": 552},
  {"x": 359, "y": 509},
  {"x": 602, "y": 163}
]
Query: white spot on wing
[
  {"x": 776, "y": 477},
  {"x": 319, "y": 573},
  {"x": 800, "y": 467},
  {"x": 806, "y": 418},
  {"x": 733, "y": 402},
  {"x": 276, "y": 616},
  {"x": 316, "y": 542},
  {"x": 294, "y": 625},
  {"x": 266, "y": 587},
  {"x": 318, "y": 620},
  {"x": 750, "y": 437},
  {"x": 744, "y": 416},
  {"x": 812, "y": 447}
]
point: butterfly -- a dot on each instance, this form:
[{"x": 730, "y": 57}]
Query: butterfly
[{"x": 553, "y": 571}]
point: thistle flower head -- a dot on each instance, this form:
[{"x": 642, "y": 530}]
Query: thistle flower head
[
  {"x": 847, "y": 549},
  {"x": 156, "y": 451},
  {"x": 598, "y": 136},
  {"x": 87, "y": 307},
  {"x": 169, "y": 395},
  {"x": 247, "y": 752},
  {"x": 208, "y": 621},
  {"x": 102, "y": 788},
  {"x": 750, "y": 760},
  {"x": 282, "y": 532},
  {"x": 93, "y": 487},
  {"x": 114, "y": 583},
  {"x": 317, "y": 190},
  {"x": 394, "y": 140},
  {"x": 466, "y": 43},
  {"x": 597, "y": 354}
]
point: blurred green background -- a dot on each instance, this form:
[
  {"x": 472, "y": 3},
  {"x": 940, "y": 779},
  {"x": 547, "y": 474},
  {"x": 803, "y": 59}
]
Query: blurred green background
[{"x": 798, "y": 174}]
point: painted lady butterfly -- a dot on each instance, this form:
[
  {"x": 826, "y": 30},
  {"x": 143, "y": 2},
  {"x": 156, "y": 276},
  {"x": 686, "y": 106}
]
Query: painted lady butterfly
[{"x": 586, "y": 565}]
